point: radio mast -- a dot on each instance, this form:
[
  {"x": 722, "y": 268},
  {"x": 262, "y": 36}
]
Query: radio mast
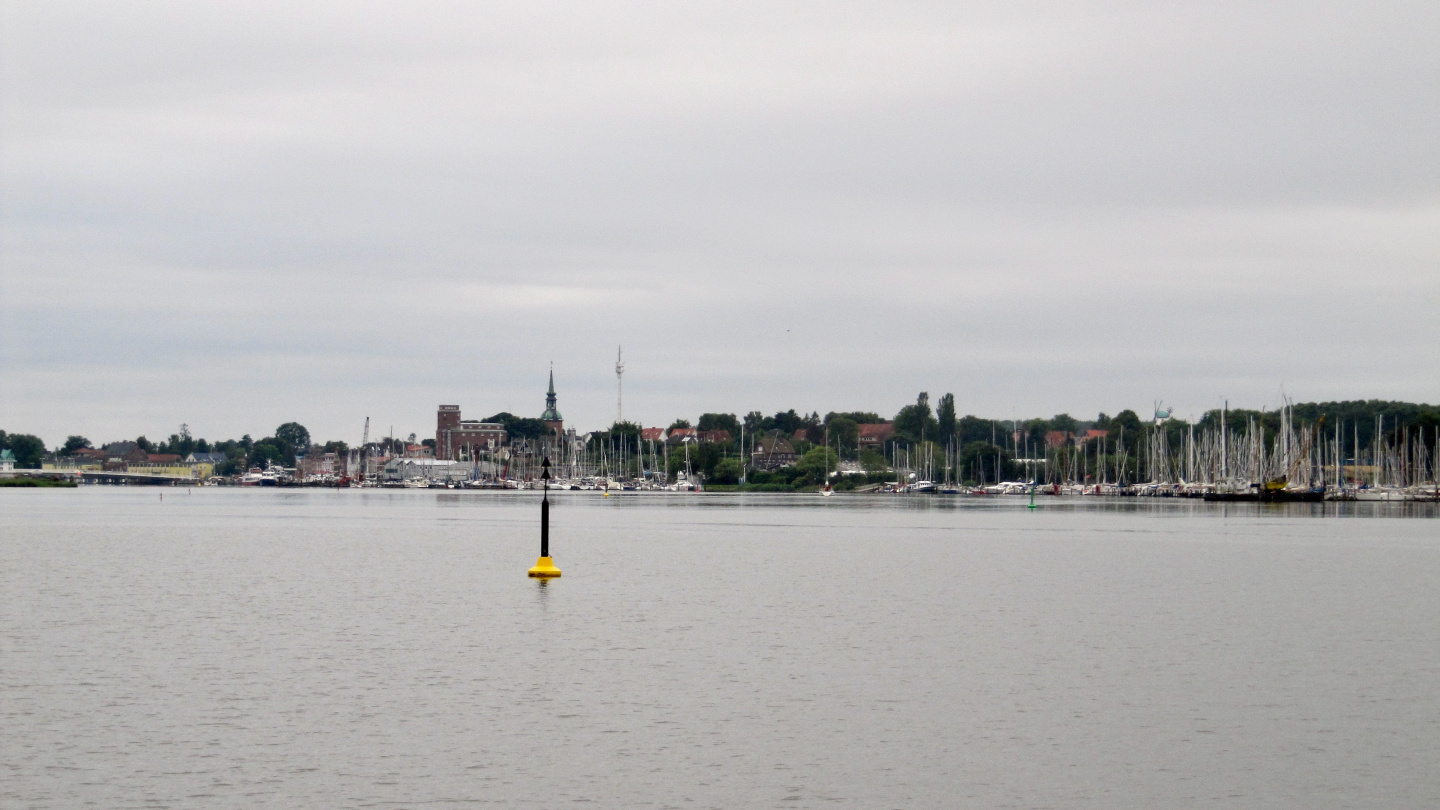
[
  {"x": 364, "y": 440},
  {"x": 619, "y": 387}
]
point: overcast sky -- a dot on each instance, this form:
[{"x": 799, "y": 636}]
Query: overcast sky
[{"x": 237, "y": 215}]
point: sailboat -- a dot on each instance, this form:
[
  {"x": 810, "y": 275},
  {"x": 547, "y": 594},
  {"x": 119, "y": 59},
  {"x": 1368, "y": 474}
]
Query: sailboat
[{"x": 826, "y": 491}]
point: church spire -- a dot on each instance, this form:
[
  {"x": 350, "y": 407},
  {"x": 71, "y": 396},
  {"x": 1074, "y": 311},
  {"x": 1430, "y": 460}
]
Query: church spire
[{"x": 551, "y": 414}]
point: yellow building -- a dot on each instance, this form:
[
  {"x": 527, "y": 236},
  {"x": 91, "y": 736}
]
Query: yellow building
[{"x": 198, "y": 471}]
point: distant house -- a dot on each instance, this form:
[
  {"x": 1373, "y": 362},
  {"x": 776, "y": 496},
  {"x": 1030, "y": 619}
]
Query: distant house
[
  {"x": 1057, "y": 438},
  {"x": 714, "y": 436},
  {"x": 802, "y": 435},
  {"x": 163, "y": 458},
  {"x": 652, "y": 434},
  {"x": 1090, "y": 435},
  {"x": 206, "y": 458},
  {"x": 126, "y": 453},
  {"x": 682, "y": 436},
  {"x": 419, "y": 451},
  {"x": 873, "y": 436},
  {"x": 7, "y": 461},
  {"x": 772, "y": 453}
]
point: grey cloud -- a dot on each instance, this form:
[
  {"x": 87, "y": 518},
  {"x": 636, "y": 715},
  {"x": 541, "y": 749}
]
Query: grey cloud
[{"x": 241, "y": 214}]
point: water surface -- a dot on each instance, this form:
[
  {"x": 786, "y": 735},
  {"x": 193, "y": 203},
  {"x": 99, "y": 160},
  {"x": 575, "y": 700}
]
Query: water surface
[{"x": 305, "y": 648}]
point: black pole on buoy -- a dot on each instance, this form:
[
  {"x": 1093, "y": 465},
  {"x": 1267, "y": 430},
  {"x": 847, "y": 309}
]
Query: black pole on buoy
[
  {"x": 545, "y": 566},
  {"x": 545, "y": 510}
]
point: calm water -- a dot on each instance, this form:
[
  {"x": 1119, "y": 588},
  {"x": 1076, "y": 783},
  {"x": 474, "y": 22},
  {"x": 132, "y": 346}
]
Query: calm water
[{"x": 384, "y": 649}]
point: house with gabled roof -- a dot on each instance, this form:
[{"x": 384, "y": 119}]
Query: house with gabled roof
[
  {"x": 772, "y": 453},
  {"x": 873, "y": 436}
]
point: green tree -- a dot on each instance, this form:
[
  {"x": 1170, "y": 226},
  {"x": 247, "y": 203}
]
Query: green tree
[
  {"x": 1065, "y": 422},
  {"x": 815, "y": 465},
  {"x": 293, "y": 434},
  {"x": 728, "y": 470},
  {"x": 679, "y": 423},
  {"x": 755, "y": 422},
  {"x": 974, "y": 429},
  {"x": 704, "y": 459},
  {"x": 73, "y": 443},
  {"x": 789, "y": 422},
  {"x": 144, "y": 444},
  {"x": 859, "y": 417},
  {"x": 719, "y": 421},
  {"x": 518, "y": 427},
  {"x": 1126, "y": 420},
  {"x": 945, "y": 416},
  {"x": 983, "y": 462},
  {"x": 844, "y": 432},
  {"x": 873, "y": 461},
  {"x": 27, "y": 449},
  {"x": 268, "y": 451},
  {"x": 916, "y": 420},
  {"x": 1035, "y": 431}
]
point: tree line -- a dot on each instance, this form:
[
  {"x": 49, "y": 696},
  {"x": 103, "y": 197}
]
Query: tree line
[{"x": 980, "y": 447}]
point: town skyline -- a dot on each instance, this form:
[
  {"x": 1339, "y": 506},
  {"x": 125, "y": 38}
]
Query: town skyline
[{"x": 380, "y": 429}]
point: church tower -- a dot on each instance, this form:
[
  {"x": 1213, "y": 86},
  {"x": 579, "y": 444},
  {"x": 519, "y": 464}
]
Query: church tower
[{"x": 551, "y": 417}]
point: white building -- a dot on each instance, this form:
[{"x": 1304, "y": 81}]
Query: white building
[{"x": 434, "y": 470}]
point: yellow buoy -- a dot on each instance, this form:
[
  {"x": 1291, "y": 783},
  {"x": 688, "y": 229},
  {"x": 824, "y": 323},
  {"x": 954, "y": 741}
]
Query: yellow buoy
[{"x": 544, "y": 568}]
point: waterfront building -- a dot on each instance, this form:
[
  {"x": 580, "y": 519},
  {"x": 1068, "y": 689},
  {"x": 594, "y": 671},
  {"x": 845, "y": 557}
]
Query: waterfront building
[
  {"x": 7, "y": 461},
  {"x": 316, "y": 464},
  {"x": 433, "y": 471}
]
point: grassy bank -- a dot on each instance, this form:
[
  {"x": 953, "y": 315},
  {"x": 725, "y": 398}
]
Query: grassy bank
[
  {"x": 756, "y": 488},
  {"x": 36, "y": 482}
]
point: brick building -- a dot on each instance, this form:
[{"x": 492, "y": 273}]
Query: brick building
[{"x": 456, "y": 437}]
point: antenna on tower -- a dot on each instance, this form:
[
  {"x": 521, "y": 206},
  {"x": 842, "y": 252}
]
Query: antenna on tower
[{"x": 619, "y": 387}]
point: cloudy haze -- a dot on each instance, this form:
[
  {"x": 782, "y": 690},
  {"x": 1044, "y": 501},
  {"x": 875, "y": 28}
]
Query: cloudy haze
[{"x": 238, "y": 215}]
